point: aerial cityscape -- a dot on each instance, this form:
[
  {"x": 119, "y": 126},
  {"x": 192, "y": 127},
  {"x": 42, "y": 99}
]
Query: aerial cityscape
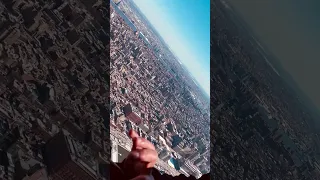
[
  {"x": 72, "y": 86},
  {"x": 261, "y": 128},
  {"x": 154, "y": 94},
  {"x": 54, "y": 90}
]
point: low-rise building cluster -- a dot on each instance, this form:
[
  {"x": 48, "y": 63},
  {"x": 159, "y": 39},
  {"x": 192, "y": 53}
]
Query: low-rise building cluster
[
  {"x": 261, "y": 130},
  {"x": 53, "y": 64},
  {"x": 147, "y": 95}
]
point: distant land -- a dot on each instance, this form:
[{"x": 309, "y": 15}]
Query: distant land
[
  {"x": 284, "y": 75},
  {"x": 132, "y": 4}
]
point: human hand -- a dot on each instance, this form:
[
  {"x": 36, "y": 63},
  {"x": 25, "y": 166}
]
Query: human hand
[{"x": 142, "y": 158}]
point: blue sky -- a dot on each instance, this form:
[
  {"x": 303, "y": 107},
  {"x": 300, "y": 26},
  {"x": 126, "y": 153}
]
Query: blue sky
[{"x": 185, "y": 27}]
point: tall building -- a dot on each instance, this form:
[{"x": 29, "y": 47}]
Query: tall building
[
  {"x": 132, "y": 114},
  {"x": 67, "y": 159},
  {"x": 193, "y": 157},
  {"x": 179, "y": 148},
  {"x": 176, "y": 140},
  {"x": 41, "y": 174},
  {"x": 200, "y": 161},
  {"x": 123, "y": 152},
  {"x": 114, "y": 152},
  {"x": 144, "y": 127},
  {"x": 206, "y": 153},
  {"x": 25, "y": 165},
  {"x": 6, "y": 166},
  {"x": 165, "y": 155},
  {"x": 117, "y": 2},
  {"x": 191, "y": 169}
]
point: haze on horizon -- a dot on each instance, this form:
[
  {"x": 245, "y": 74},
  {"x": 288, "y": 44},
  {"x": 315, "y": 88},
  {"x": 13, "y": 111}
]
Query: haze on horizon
[
  {"x": 291, "y": 31},
  {"x": 187, "y": 34}
]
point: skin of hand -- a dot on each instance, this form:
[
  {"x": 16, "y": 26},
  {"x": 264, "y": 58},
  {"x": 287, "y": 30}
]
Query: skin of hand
[{"x": 142, "y": 158}]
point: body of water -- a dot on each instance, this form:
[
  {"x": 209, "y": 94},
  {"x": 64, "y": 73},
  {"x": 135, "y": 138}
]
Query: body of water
[
  {"x": 126, "y": 19},
  {"x": 175, "y": 163}
]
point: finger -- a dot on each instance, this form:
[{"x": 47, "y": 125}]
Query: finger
[
  {"x": 134, "y": 144},
  {"x": 148, "y": 156},
  {"x": 143, "y": 155},
  {"x": 141, "y": 143},
  {"x": 133, "y": 134},
  {"x": 151, "y": 164}
]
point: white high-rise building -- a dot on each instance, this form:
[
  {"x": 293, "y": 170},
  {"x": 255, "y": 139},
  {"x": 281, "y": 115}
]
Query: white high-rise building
[
  {"x": 114, "y": 152},
  {"x": 165, "y": 155}
]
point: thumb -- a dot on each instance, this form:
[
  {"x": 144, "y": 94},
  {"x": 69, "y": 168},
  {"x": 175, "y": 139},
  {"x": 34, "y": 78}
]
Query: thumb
[{"x": 133, "y": 134}]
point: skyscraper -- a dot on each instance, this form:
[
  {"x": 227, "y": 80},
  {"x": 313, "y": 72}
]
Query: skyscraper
[
  {"x": 67, "y": 159},
  {"x": 164, "y": 155},
  {"x": 132, "y": 114}
]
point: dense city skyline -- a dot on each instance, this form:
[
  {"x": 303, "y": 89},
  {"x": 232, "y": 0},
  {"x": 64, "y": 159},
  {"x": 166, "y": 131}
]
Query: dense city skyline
[
  {"x": 54, "y": 90},
  {"x": 187, "y": 34},
  {"x": 153, "y": 93},
  {"x": 290, "y": 30},
  {"x": 261, "y": 128},
  {"x": 72, "y": 86}
]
